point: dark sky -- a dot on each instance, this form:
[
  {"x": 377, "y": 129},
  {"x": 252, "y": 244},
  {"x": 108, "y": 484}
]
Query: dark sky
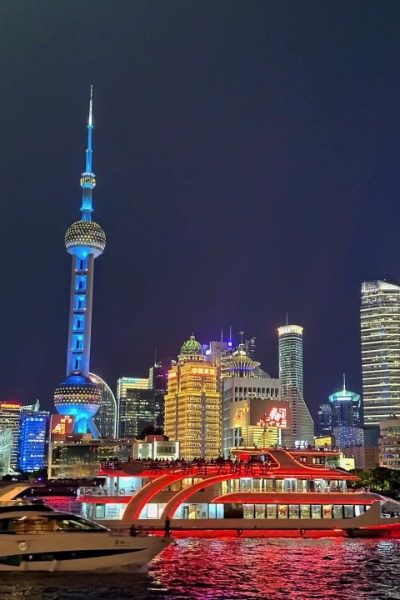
[{"x": 247, "y": 157}]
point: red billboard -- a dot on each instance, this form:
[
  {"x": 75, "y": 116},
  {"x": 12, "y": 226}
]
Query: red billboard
[{"x": 61, "y": 426}]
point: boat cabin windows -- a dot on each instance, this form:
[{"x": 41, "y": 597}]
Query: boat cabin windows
[
  {"x": 348, "y": 511},
  {"x": 34, "y": 524},
  {"x": 282, "y": 511},
  {"x": 300, "y": 511},
  {"x": 315, "y": 511},
  {"x": 286, "y": 485},
  {"x": 305, "y": 511},
  {"x": 76, "y": 524},
  {"x": 337, "y": 511}
]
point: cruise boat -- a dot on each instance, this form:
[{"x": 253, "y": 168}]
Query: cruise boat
[
  {"x": 260, "y": 492},
  {"x": 35, "y": 537}
]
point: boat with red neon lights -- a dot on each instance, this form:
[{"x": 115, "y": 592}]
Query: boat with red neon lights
[{"x": 269, "y": 492}]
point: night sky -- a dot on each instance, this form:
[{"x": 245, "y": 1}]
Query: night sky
[{"x": 247, "y": 158}]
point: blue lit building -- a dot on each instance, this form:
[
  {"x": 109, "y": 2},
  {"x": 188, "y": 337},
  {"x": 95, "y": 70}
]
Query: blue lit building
[
  {"x": 85, "y": 240},
  {"x": 32, "y": 440},
  {"x": 342, "y": 418},
  {"x": 346, "y": 408}
]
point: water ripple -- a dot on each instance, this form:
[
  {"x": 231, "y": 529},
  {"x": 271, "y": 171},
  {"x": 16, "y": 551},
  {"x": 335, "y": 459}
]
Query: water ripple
[{"x": 235, "y": 569}]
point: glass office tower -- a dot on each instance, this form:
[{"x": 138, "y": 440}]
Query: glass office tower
[
  {"x": 380, "y": 350},
  {"x": 32, "y": 440},
  {"x": 301, "y": 426}
]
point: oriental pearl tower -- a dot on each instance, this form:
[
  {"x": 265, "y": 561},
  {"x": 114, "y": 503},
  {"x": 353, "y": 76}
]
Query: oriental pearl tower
[{"x": 85, "y": 240}]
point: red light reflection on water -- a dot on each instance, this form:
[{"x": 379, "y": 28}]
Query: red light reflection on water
[{"x": 296, "y": 569}]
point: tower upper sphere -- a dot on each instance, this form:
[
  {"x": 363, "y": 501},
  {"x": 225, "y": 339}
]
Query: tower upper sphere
[{"x": 85, "y": 237}]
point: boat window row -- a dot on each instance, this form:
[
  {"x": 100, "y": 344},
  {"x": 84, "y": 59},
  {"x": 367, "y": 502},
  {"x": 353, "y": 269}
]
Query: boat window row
[
  {"x": 303, "y": 511},
  {"x": 250, "y": 484},
  {"x": 203, "y": 510}
]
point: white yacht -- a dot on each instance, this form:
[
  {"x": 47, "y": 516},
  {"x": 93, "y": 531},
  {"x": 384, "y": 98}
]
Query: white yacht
[{"x": 36, "y": 538}]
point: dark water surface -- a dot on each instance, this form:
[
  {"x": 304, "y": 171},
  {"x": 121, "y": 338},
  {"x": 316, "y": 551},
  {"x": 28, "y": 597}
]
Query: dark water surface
[{"x": 235, "y": 569}]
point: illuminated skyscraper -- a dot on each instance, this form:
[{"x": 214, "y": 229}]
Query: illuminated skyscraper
[
  {"x": 301, "y": 425},
  {"x": 158, "y": 381},
  {"x": 85, "y": 240},
  {"x": 193, "y": 404},
  {"x": 10, "y": 414},
  {"x": 380, "y": 350},
  {"x": 248, "y": 394},
  {"x": 346, "y": 408},
  {"x": 6, "y": 439},
  {"x": 32, "y": 439},
  {"x": 135, "y": 400}
]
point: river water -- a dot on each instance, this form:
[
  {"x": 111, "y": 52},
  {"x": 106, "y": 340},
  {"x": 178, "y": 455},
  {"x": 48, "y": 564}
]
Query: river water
[{"x": 235, "y": 569}]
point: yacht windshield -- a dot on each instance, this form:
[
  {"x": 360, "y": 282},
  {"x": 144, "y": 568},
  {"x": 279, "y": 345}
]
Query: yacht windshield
[
  {"x": 48, "y": 524},
  {"x": 72, "y": 523}
]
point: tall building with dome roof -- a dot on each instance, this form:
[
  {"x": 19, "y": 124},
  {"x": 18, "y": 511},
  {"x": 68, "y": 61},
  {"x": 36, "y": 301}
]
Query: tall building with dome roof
[
  {"x": 78, "y": 395},
  {"x": 193, "y": 404},
  {"x": 249, "y": 397}
]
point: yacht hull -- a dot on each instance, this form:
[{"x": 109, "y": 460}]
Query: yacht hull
[{"x": 104, "y": 552}]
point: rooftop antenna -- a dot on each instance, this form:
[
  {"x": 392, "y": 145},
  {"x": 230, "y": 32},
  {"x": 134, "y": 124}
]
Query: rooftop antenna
[
  {"x": 344, "y": 382},
  {"x": 88, "y": 179},
  {"x": 230, "y": 333}
]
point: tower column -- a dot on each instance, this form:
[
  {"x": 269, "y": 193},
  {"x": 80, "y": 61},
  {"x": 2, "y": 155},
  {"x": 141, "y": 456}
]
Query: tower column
[
  {"x": 88, "y": 320},
  {"x": 71, "y": 315}
]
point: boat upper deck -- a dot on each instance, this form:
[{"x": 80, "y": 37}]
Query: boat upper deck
[{"x": 266, "y": 463}]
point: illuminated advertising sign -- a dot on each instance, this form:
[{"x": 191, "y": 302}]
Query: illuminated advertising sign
[
  {"x": 241, "y": 416},
  {"x": 61, "y": 426},
  {"x": 323, "y": 440},
  {"x": 277, "y": 417},
  {"x": 10, "y": 405}
]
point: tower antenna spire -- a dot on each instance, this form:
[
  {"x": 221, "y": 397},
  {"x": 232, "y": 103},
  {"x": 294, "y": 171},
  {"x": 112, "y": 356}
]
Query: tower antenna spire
[
  {"x": 88, "y": 179},
  {"x": 89, "y": 148},
  {"x": 344, "y": 382}
]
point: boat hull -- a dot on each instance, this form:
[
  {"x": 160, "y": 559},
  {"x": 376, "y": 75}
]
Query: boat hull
[{"x": 104, "y": 552}]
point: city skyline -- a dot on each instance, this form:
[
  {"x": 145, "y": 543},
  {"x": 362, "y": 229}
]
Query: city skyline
[{"x": 224, "y": 189}]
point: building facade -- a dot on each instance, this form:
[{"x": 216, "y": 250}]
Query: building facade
[
  {"x": 380, "y": 350},
  {"x": 10, "y": 415},
  {"x": 6, "y": 439},
  {"x": 155, "y": 447},
  {"x": 136, "y": 410},
  {"x": 342, "y": 417},
  {"x": 85, "y": 240},
  {"x": 248, "y": 397},
  {"x": 389, "y": 443},
  {"x": 300, "y": 431},
  {"x": 193, "y": 404},
  {"x": 106, "y": 417},
  {"x": 346, "y": 408},
  {"x": 32, "y": 452},
  {"x": 158, "y": 381}
]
